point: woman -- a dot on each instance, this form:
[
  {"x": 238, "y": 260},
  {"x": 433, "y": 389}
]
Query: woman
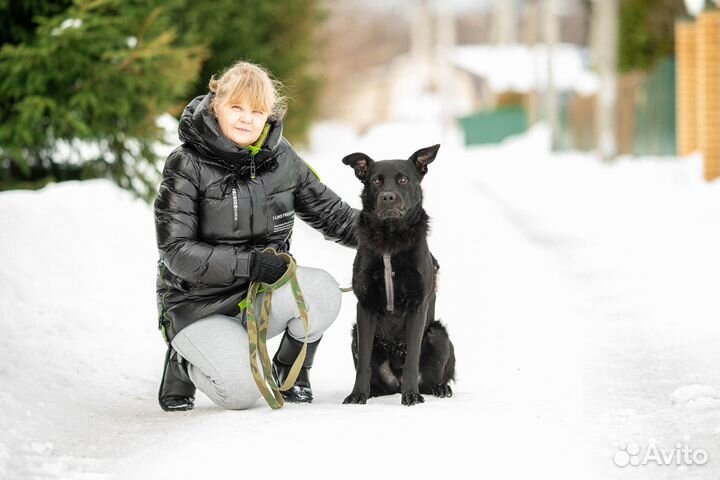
[{"x": 228, "y": 192}]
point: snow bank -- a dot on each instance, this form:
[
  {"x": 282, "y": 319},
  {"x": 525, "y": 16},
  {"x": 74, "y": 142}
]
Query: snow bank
[
  {"x": 76, "y": 312},
  {"x": 696, "y": 395},
  {"x": 579, "y": 297}
]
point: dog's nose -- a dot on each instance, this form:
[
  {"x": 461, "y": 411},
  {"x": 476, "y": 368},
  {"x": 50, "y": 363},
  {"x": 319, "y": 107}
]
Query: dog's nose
[{"x": 388, "y": 197}]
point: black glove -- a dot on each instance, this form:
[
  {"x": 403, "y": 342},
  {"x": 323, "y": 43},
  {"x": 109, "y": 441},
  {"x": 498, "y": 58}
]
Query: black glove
[{"x": 267, "y": 268}]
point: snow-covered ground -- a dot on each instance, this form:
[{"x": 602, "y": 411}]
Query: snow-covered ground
[{"x": 582, "y": 299}]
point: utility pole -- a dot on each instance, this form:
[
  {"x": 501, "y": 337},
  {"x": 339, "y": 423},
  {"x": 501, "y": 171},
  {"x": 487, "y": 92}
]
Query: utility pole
[
  {"x": 504, "y": 26},
  {"x": 421, "y": 32},
  {"x": 421, "y": 42},
  {"x": 551, "y": 32},
  {"x": 605, "y": 53},
  {"x": 533, "y": 38},
  {"x": 446, "y": 39}
]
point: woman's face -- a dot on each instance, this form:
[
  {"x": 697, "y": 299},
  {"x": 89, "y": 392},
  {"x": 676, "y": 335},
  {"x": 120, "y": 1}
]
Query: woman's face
[{"x": 240, "y": 122}]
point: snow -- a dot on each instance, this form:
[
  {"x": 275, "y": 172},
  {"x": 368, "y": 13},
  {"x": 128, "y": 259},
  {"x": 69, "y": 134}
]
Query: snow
[
  {"x": 581, "y": 298},
  {"x": 694, "y": 7},
  {"x": 693, "y": 395},
  {"x": 68, "y": 23}
]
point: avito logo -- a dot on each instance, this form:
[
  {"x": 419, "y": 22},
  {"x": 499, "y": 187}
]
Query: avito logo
[{"x": 632, "y": 454}]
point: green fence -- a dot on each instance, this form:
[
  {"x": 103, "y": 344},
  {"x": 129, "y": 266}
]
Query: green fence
[
  {"x": 655, "y": 112},
  {"x": 493, "y": 126},
  {"x": 645, "y": 114}
]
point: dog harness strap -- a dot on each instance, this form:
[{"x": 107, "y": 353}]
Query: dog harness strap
[
  {"x": 257, "y": 333},
  {"x": 389, "y": 289}
]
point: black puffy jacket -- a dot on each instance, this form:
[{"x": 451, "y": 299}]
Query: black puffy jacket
[{"x": 210, "y": 215}]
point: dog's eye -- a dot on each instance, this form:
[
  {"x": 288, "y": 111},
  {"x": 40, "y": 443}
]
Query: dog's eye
[
  {"x": 377, "y": 180},
  {"x": 402, "y": 180}
]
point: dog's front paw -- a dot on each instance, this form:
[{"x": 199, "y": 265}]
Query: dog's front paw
[
  {"x": 412, "y": 398},
  {"x": 356, "y": 398},
  {"x": 442, "y": 390}
]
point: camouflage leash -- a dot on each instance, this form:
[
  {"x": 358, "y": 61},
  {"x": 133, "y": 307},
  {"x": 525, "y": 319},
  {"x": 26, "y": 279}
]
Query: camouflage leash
[{"x": 257, "y": 333}]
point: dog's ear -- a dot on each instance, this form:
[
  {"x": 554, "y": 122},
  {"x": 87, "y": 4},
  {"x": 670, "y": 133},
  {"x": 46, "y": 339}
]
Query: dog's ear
[
  {"x": 423, "y": 157},
  {"x": 360, "y": 163}
]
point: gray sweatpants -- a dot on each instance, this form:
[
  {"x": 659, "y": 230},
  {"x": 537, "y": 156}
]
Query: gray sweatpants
[{"x": 216, "y": 347}]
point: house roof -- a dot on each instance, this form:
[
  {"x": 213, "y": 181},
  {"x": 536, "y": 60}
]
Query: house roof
[{"x": 524, "y": 68}]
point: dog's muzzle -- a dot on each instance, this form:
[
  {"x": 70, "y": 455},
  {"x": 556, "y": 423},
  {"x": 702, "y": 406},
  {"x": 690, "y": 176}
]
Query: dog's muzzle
[{"x": 390, "y": 205}]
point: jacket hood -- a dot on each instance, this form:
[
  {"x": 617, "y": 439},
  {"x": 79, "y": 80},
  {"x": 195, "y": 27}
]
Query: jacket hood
[{"x": 199, "y": 128}]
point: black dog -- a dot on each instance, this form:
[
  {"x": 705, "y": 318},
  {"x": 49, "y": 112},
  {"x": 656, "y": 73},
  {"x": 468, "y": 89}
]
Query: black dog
[{"x": 397, "y": 345}]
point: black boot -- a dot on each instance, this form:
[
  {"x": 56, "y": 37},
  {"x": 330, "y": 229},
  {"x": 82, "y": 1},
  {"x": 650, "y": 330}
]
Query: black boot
[
  {"x": 177, "y": 392},
  {"x": 301, "y": 391}
]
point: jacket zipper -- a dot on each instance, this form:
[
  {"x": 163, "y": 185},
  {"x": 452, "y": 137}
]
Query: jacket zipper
[
  {"x": 252, "y": 207},
  {"x": 252, "y": 212},
  {"x": 236, "y": 219}
]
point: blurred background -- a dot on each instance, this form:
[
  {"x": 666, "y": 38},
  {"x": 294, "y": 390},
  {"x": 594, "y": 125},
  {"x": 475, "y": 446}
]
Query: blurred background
[
  {"x": 89, "y": 88},
  {"x": 574, "y": 213}
]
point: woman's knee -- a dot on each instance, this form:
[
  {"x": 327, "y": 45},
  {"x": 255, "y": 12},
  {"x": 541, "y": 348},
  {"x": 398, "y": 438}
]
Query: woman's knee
[
  {"x": 328, "y": 294},
  {"x": 236, "y": 391},
  {"x": 322, "y": 297},
  {"x": 221, "y": 368},
  {"x": 237, "y": 403}
]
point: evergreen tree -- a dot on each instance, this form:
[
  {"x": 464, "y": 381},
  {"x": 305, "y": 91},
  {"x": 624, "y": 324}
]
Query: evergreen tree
[
  {"x": 647, "y": 32},
  {"x": 93, "y": 79},
  {"x": 17, "y": 17}
]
